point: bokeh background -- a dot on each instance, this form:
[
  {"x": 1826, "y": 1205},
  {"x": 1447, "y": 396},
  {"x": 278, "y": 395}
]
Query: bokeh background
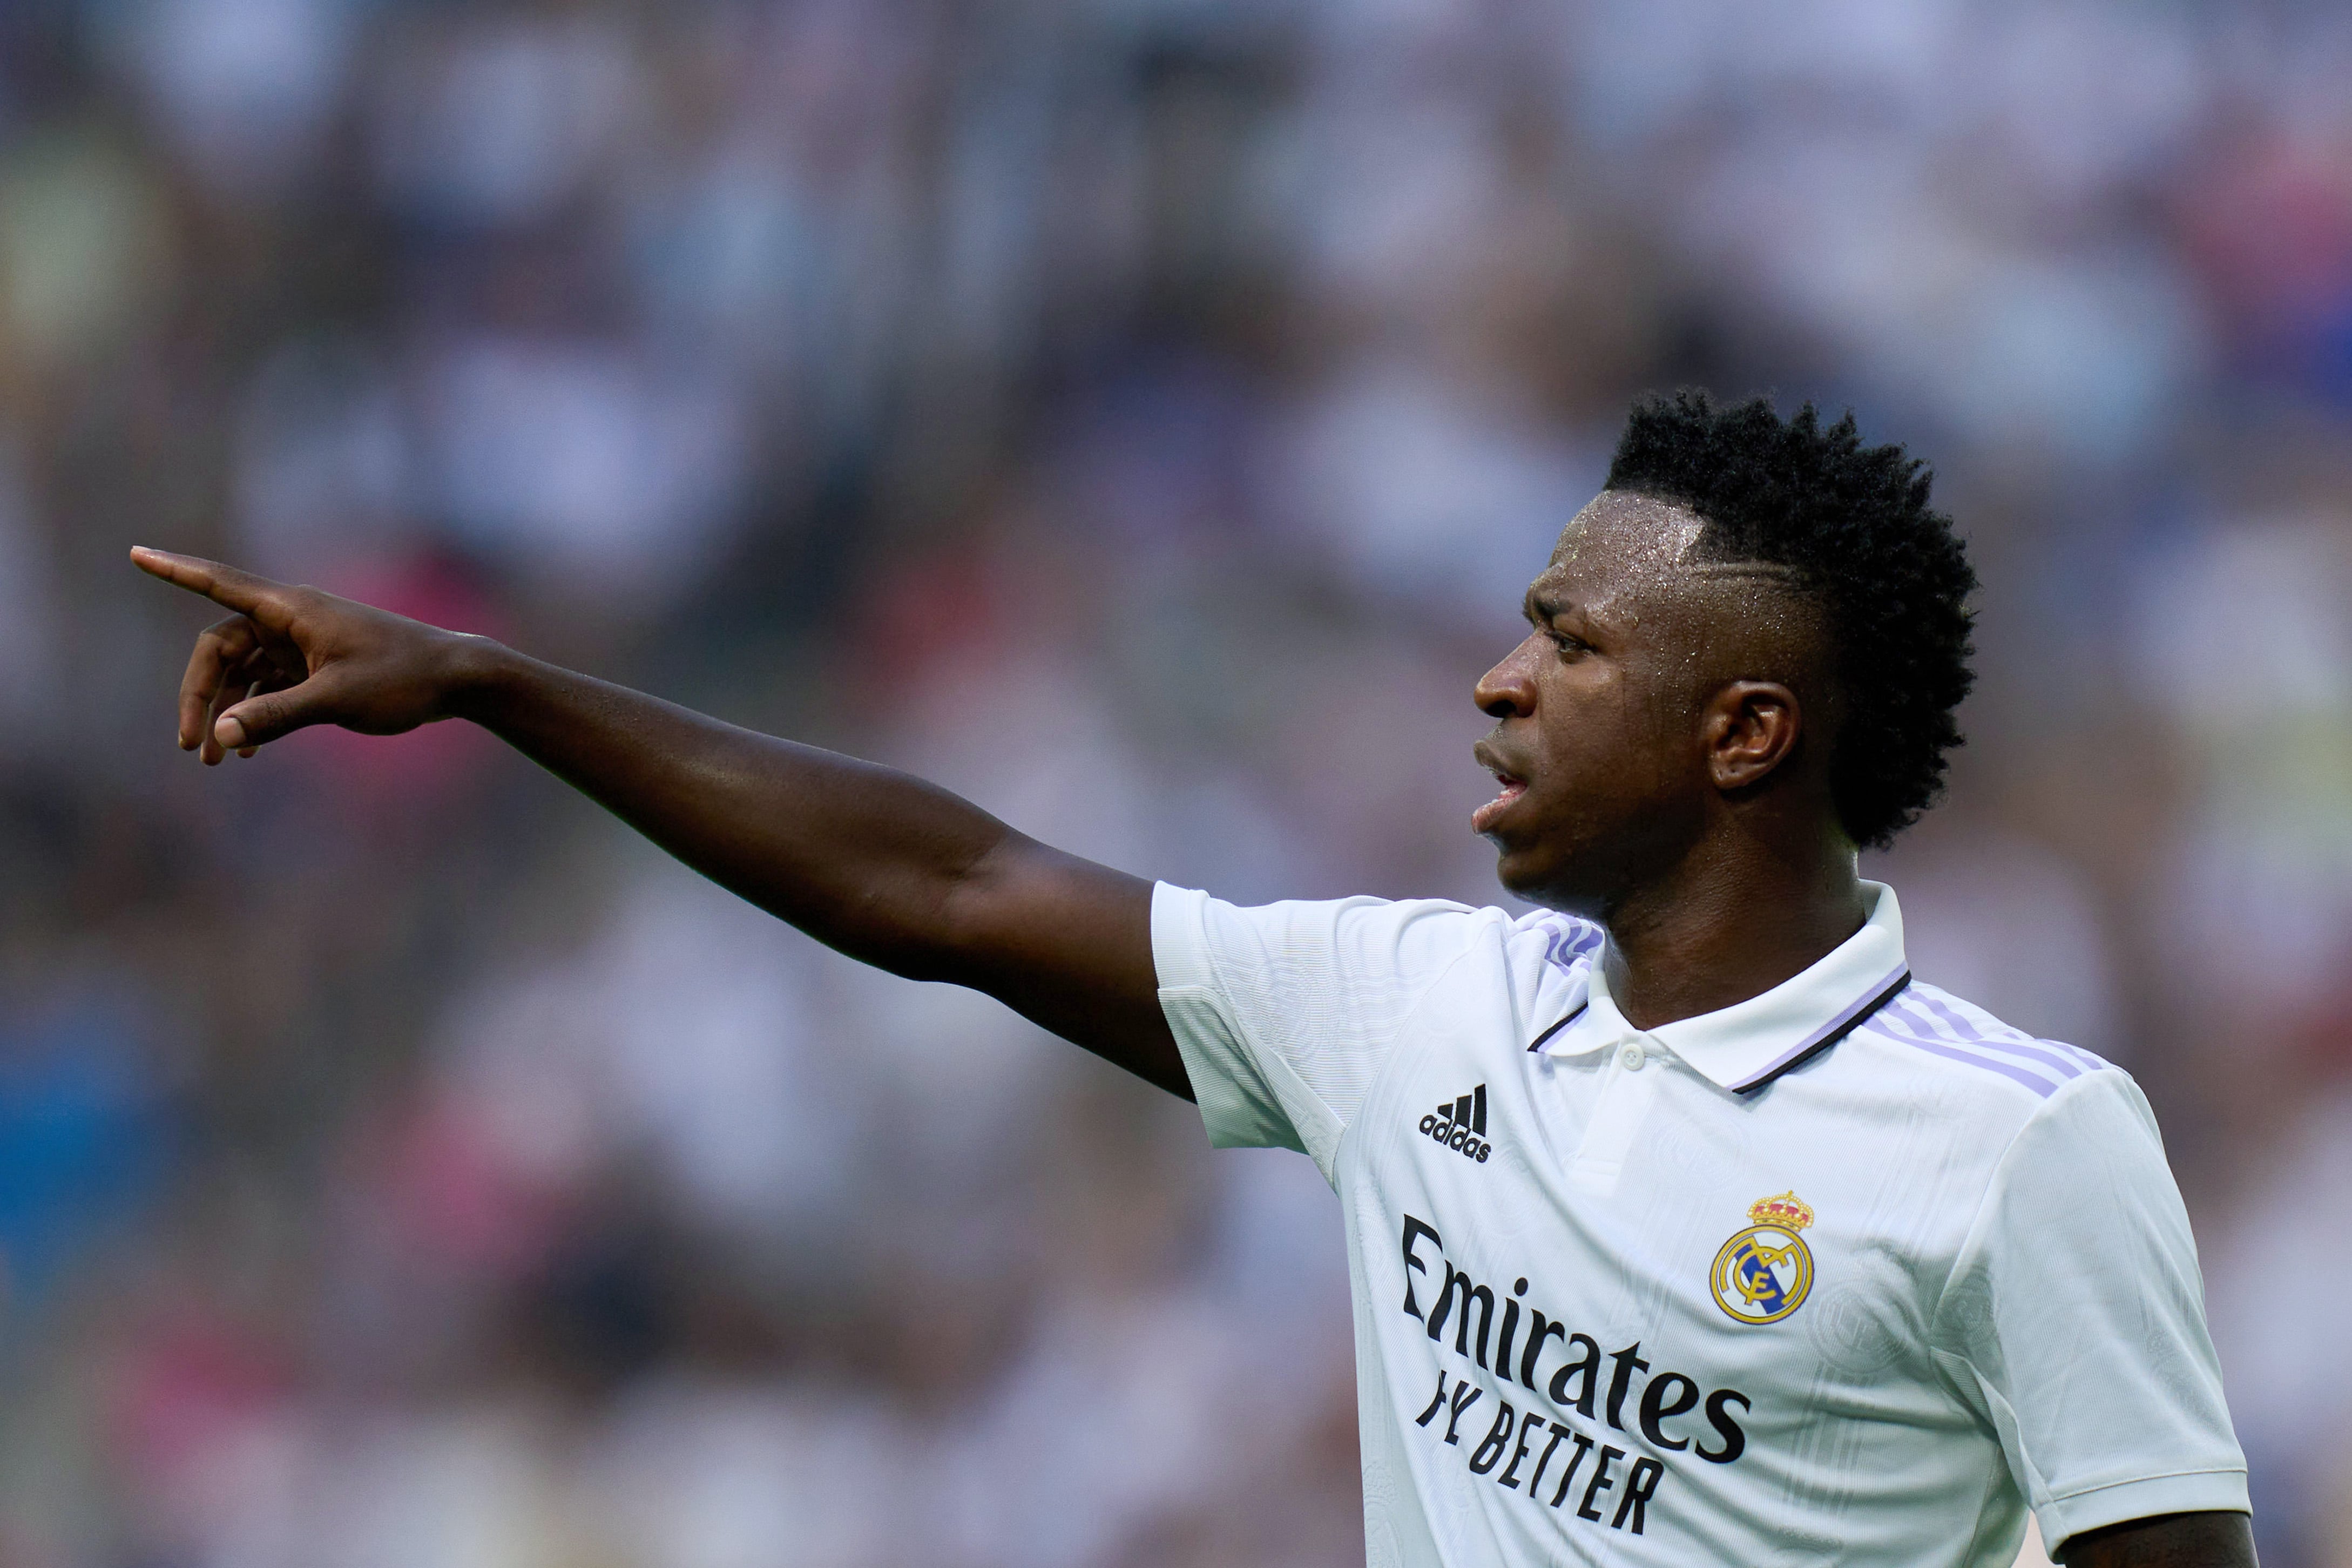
[{"x": 1141, "y": 415}]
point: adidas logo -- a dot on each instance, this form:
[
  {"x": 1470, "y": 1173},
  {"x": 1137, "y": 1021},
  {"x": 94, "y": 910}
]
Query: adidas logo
[{"x": 1460, "y": 1125}]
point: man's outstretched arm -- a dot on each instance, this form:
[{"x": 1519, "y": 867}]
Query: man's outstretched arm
[{"x": 880, "y": 865}]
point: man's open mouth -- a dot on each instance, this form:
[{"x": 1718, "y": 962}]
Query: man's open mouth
[{"x": 1510, "y": 787}]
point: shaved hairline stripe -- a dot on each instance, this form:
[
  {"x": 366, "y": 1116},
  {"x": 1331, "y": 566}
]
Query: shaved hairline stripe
[{"x": 1778, "y": 572}]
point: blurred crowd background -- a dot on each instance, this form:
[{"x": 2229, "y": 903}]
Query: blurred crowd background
[{"x": 1143, "y": 417}]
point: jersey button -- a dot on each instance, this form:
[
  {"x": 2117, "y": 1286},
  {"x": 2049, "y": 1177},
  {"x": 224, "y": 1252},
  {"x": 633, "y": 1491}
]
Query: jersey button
[{"x": 1632, "y": 1056}]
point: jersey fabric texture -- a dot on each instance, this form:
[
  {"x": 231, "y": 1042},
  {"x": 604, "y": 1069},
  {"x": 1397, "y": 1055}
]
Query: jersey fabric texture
[{"x": 1849, "y": 1272}]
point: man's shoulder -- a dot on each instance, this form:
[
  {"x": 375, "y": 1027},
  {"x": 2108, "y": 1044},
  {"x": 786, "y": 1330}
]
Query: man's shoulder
[
  {"x": 1369, "y": 934},
  {"x": 1925, "y": 1039}
]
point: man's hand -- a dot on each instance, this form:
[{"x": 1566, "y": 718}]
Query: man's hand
[
  {"x": 2168, "y": 1541},
  {"x": 295, "y": 657},
  {"x": 883, "y": 867}
]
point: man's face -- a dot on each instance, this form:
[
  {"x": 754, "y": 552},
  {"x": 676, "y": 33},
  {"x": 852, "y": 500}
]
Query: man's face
[{"x": 1600, "y": 746}]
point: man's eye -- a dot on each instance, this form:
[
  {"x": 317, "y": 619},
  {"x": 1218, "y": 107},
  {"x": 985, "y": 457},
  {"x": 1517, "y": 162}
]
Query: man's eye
[{"x": 1565, "y": 643}]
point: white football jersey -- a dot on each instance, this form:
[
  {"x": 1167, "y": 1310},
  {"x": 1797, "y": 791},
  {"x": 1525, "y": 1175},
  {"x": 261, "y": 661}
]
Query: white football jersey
[{"x": 1849, "y": 1272}]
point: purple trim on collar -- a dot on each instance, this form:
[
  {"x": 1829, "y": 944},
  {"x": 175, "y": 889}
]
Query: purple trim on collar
[
  {"x": 1568, "y": 944},
  {"x": 1831, "y": 1033}
]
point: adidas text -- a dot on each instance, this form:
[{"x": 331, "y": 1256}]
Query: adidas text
[{"x": 1461, "y": 1125}]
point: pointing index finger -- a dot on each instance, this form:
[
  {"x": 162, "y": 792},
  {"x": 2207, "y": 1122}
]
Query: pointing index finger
[{"x": 265, "y": 601}]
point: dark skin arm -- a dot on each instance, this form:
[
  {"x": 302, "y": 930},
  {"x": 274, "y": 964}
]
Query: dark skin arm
[
  {"x": 883, "y": 867},
  {"x": 2168, "y": 1541}
]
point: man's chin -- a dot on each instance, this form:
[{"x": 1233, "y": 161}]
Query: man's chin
[
  {"x": 1531, "y": 876},
  {"x": 1544, "y": 879}
]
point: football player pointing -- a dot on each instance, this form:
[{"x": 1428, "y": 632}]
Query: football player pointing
[{"x": 1688, "y": 1226}]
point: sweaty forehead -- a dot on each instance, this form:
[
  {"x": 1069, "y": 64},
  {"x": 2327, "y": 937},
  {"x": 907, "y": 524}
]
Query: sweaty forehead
[
  {"x": 1634, "y": 564},
  {"x": 1620, "y": 532},
  {"x": 1628, "y": 560}
]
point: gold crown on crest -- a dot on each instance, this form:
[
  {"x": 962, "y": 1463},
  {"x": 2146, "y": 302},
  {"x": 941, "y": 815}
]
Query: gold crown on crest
[{"x": 1789, "y": 1210}]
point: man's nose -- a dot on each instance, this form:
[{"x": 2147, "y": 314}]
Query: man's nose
[{"x": 1508, "y": 690}]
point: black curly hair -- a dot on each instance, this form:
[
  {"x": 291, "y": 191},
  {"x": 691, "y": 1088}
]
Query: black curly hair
[{"x": 1853, "y": 524}]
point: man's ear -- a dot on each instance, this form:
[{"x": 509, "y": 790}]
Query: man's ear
[{"x": 1750, "y": 728}]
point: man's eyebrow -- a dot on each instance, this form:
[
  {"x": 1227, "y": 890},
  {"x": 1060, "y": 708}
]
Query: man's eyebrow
[{"x": 1541, "y": 605}]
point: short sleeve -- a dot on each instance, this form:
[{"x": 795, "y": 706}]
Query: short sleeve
[
  {"x": 1285, "y": 1014},
  {"x": 2075, "y": 1320}
]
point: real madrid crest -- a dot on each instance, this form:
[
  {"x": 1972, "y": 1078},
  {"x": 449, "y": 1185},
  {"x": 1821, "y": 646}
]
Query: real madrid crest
[{"x": 1765, "y": 1272}]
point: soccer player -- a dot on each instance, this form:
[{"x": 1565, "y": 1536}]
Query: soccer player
[{"x": 1685, "y": 1226}]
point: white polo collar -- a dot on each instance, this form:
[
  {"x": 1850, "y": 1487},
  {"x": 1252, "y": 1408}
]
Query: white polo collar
[{"x": 1748, "y": 1044}]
